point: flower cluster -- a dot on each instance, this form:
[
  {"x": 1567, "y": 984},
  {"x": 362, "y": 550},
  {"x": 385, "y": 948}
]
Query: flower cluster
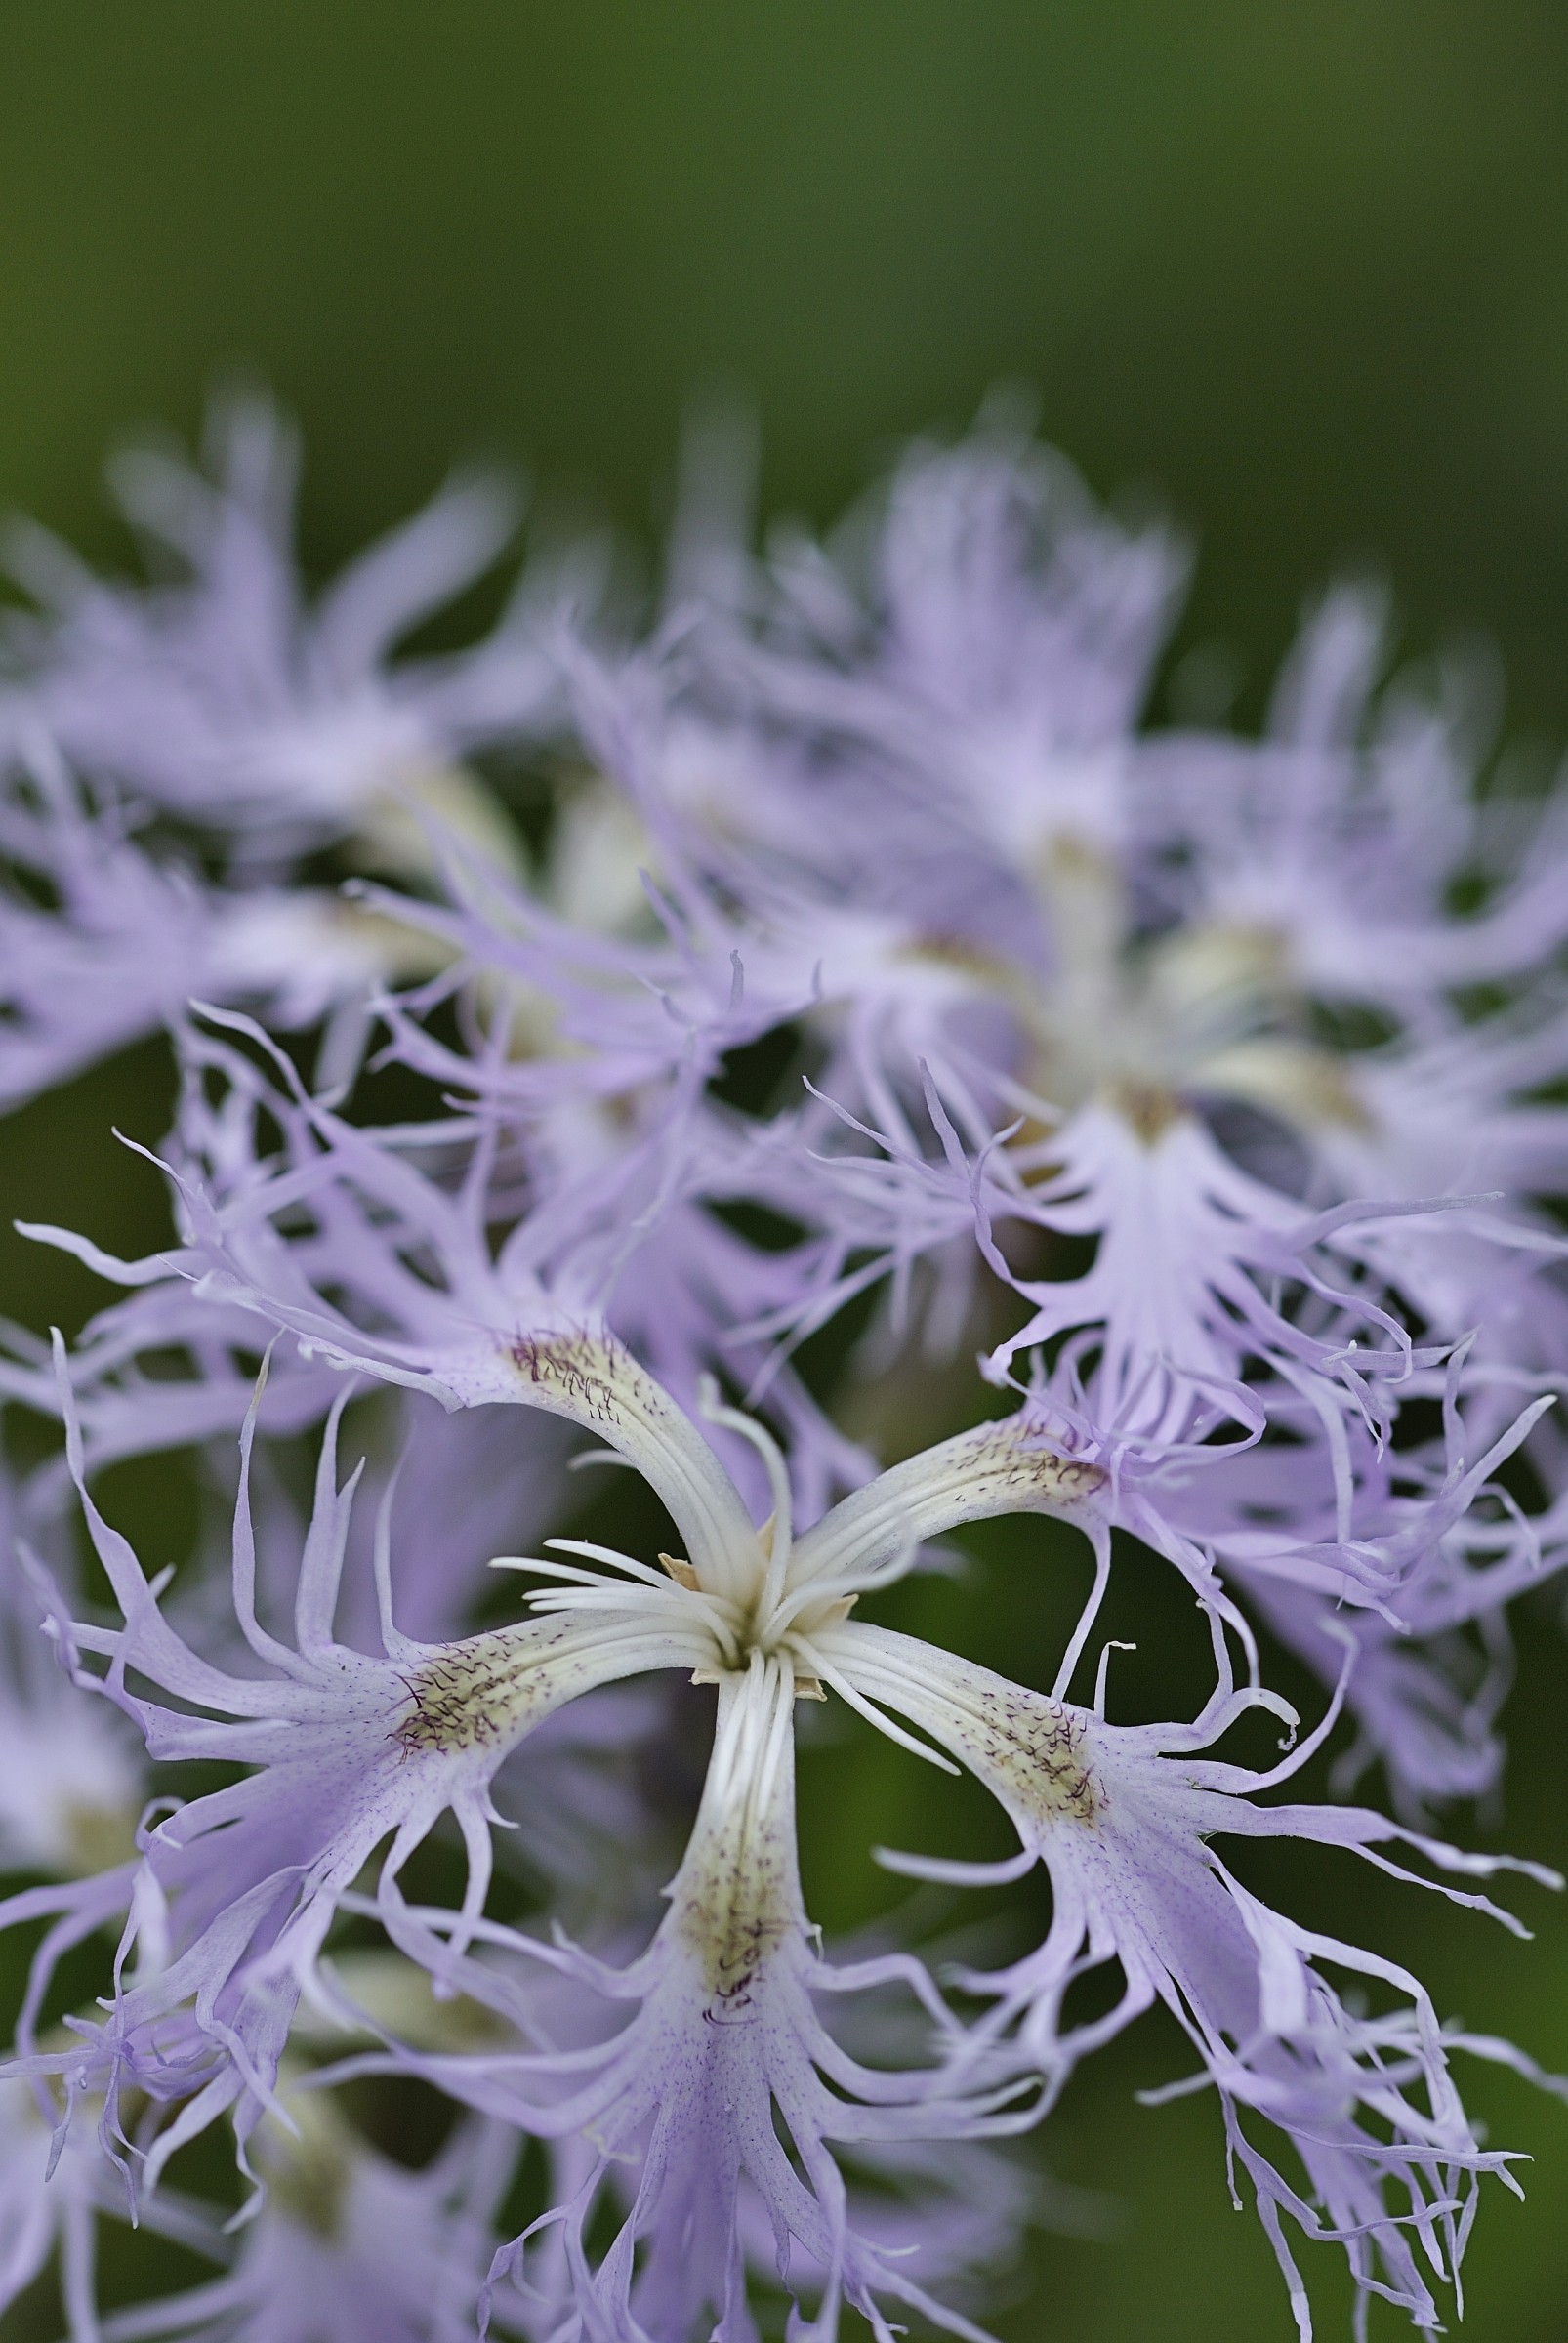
[{"x": 689, "y": 1049}]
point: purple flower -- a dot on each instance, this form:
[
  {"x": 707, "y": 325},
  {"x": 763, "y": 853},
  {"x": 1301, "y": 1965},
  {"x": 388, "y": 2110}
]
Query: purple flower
[
  {"x": 1343, "y": 835},
  {"x": 1002, "y": 649},
  {"x": 223, "y": 698},
  {"x": 132, "y": 934},
  {"x": 237, "y": 1890},
  {"x": 347, "y": 2247},
  {"x": 53, "y": 2188}
]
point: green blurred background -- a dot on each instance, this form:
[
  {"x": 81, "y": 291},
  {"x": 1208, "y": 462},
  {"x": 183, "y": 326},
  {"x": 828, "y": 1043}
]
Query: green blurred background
[{"x": 1298, "y": 274}]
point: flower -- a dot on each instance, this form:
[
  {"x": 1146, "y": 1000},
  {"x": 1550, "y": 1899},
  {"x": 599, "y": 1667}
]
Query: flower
[
  {"x": 269, "y": 731},
  {"x": 53, "y": 2187},
  {"x": 347, "y": 2247},
  {"x": 236, "y": 1890},
  {"x": 221, "y": 699}
]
